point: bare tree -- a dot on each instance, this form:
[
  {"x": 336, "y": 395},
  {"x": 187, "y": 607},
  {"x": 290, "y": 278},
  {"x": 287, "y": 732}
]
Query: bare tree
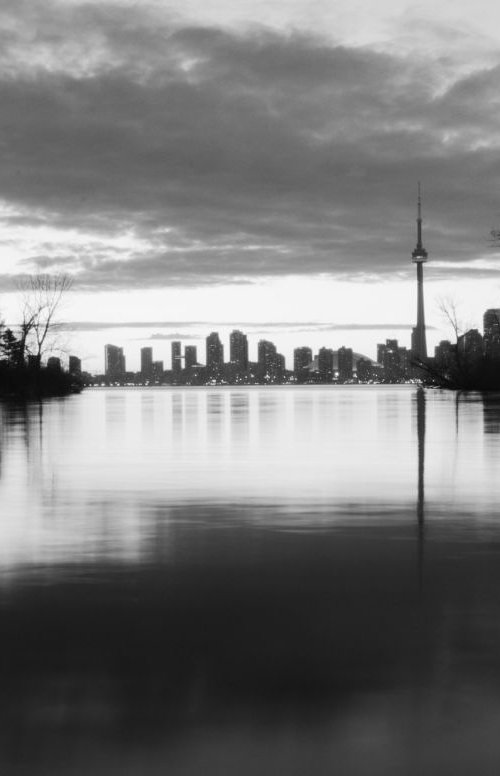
[
  {"x": 449, "y": 310},
  {"x": 42, "y": 295}
]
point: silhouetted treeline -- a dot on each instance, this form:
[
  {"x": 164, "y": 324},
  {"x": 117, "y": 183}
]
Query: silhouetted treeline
[
  {"x": 463, "y": 373},
  {"x": 21, "y": 347},
  {"x": 24, "y": 377},
  {"x": 32, "y": 382}
]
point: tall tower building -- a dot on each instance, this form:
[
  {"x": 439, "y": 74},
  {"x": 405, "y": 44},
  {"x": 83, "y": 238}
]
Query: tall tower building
[
  {"x": 325, "y": 365},
  {"x": 114, "y": 362},
  {"x": 190, "y": 356},
  {"x": 215, "y": 352},
  {"x": 146, "y": 362},
  {"x": 75, "y": 365},
  {"x": 266, "y": 356},
  {"x": 302, "y": 358},
  {"x": 238, "y": 349},
  {"x": 345, "y": 363},
  {"x": 491, "y": 322},
  {"x": 176, "y": 359},
  {"x": 419, "y": 257},
  {"x": 393, "y": 369}
]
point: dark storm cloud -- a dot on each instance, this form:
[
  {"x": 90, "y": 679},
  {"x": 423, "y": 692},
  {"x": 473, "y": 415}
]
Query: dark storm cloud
[{"x": 230, "y": 156}]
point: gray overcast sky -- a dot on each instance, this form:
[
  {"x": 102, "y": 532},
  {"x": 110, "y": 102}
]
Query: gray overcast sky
[{"x": 148, "y": 145}]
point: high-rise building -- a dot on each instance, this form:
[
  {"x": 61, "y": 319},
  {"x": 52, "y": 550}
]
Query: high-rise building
[
  {"x": 157, "y": 371},
  {"x": 491, "y": 330},
  {"x": 279, "y": 364},
  {"x": 215, "y": 352},
  {"x": 470, "y": 345},
  {"x": 54, "y": 362},
  {"x": 302, "y": 358},
  {"x": 270, "y": 363},
  {"x": 190, "y": 356},
  {"x": 176, "y": 360},
  {"x": 345, "y": 363},
  {"x": 445, "y": 355},
  {"x": 266, "y": 356},
  {"x": 114, "y": 362},
  {"x": 238, "y": 350},
  {"x": 364, "y": 369},
  {"x": 325, "y": 365},
  {"x": 419, "y": 257},
  {"x": 393, "y": 359},
  {"x": 404, "y": 361},
  {"x": 75, "y": 366},
  {"x": 146, "y": 362}
]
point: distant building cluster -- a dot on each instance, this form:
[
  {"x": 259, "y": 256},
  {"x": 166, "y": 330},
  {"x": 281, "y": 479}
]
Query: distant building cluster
[
  {"x": 472, "y": 346},
  {"x": 394, "y": 364},
  {"x": 54, "y": 363},
  {"x": 326, "y": 366}
]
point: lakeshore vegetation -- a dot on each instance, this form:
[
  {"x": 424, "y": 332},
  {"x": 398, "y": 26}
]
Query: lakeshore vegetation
[{"x": 23, "y": 345}]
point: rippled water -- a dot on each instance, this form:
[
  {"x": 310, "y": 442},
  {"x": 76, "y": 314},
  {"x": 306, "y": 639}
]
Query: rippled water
[{"x": 254, "y": 581}]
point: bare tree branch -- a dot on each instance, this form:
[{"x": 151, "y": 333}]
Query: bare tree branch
[
  {"x": 449, "y": 310},
  {"x": 42, "y": 295}
]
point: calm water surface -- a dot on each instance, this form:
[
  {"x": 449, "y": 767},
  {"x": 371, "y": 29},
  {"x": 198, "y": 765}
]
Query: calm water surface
[{"x": 250, "y": 580}]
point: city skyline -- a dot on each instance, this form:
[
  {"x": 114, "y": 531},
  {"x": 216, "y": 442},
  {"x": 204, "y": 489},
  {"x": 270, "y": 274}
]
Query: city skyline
[
  {"x": 252, "y": 163},
  {"x": 270, "y": 365},
  {"x": 236, "y": 348},
  {"x": 394, "y": 361}
]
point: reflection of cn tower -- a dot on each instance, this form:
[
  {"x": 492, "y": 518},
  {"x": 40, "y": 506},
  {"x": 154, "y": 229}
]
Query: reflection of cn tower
[
  {"x": 420, "y": 399},
  {"x": 419, "y": 256},
  {"x": 421, "y": 452}
]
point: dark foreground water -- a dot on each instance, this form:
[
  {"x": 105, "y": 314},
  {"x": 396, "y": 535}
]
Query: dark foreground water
[{"x": 250, "y": 581}]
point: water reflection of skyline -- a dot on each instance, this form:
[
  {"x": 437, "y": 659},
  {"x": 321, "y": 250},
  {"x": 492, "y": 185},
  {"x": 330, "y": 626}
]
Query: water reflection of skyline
[
  {"x": 491, "y": 413},
  {"x": 291, "y": 459}
]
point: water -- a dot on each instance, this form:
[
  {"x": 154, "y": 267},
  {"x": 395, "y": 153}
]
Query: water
[{"x": 255, "y": 581}]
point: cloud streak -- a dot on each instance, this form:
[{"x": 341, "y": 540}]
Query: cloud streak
[{"x": 290, "y": 326}]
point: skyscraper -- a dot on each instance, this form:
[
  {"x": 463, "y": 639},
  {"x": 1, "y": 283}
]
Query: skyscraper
[
  {"x": 190, "y": 356},
  {"x": 54, "y": 362},
  {"x": 157, "y": 371},
  {"x": 445, "y": 355},
  {"x": 364, "y": 369},
  {"x": 146, "y": 362},
  {"x": 393, "y": 371},
  {"x": 345, "y": 364},
  {"x": 238, "y": 350},
  {"x": 114, "y": 362},
  {"x": 302, "y": 357},
  {"x": 215, "y": 352},
  {"x": 176, "y": 359},
  {"x": 75, "y": 365},
  {"x": 419, "y": 257},
  {"x": 325, "y": 365},
  {"x": 491, "y": 329},
  {"x": 266, "y": 356},
  {"x": 470, "y": 346}
]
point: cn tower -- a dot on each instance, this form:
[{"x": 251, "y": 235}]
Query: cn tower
[{"x": 419, "y": 256}]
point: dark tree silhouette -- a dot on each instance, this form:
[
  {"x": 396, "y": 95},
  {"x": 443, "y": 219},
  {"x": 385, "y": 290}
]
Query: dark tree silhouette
[{"x": 42, "y": 296}]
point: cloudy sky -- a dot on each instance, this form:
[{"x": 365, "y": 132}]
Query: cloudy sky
[{"x": 198, "y": 165}]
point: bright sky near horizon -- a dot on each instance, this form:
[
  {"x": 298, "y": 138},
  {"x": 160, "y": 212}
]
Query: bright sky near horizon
[{"x": 216, "y": 165}]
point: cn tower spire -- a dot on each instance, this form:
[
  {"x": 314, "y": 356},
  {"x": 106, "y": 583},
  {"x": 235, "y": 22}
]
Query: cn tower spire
[{"x": 419, "y": 256}]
